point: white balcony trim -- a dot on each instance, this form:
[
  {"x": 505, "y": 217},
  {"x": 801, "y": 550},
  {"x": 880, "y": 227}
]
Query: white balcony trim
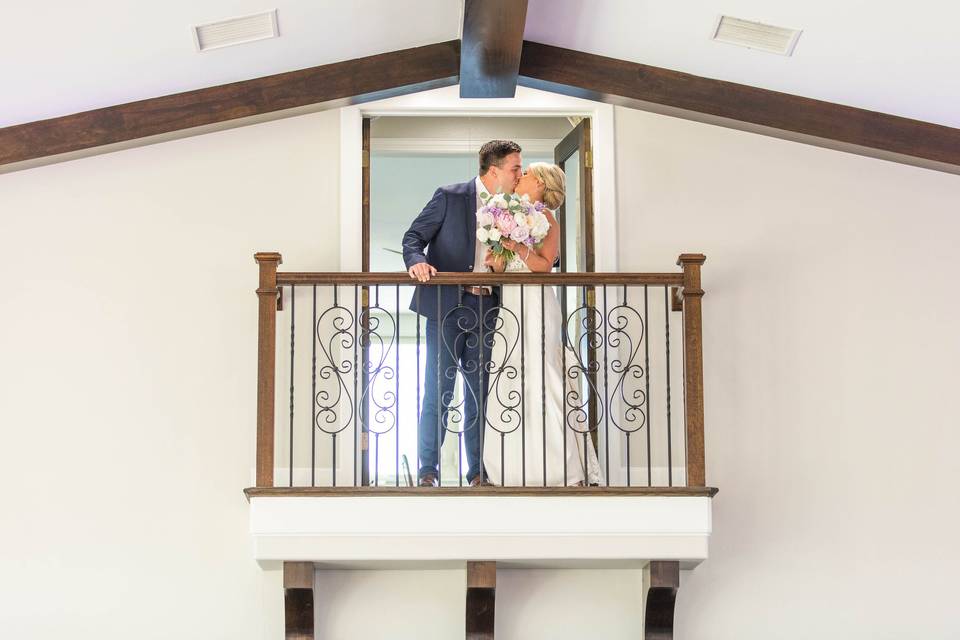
[{"x": 533, "y": 531}]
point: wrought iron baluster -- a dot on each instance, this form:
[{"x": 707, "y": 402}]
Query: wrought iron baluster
[
  {"x": 396, "y": 385},
  {"x": 666, "y": 315},
  {"x": 313, "y": 391},
  {"x": 334, "y": 411},
  {"x": 563, "y": 387},
  {"x": 646, "y": 375},
  {"x": 543, "y": 373},
  {"x": 606, "y": 389},
  {"x": 380, "y": 397},
  {"x": 441, "y": 418},
  {"x": 333, "y": 440},
  {"x": 357, "y": 430},
  {"x": 417, "y": 405},
  {"x": 480, "y": 422},
  {"x": 586, "y": 462},
  {"x": 626, "y": 368},
  {"x": 376, "y": 459},
  {"x": 523, "y": 410},
  {"x": 293, "y": 302},
  {"x": 365, "y": 381}
]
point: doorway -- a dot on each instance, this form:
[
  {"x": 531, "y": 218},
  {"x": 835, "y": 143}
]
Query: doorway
[{"x": 404, "y": 159}]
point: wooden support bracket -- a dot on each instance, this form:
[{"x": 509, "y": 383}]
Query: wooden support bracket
[
  {"x": 481, "y": 599},
  {"x": 661, "y": 580},
  {"x": 298, "y": 600}
]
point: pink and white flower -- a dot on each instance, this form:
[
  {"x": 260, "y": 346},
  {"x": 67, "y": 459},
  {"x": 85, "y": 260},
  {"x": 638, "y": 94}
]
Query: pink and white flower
[{"x": 510, "y": 216}]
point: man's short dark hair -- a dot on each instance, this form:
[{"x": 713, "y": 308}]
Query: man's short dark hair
[{"x": 493, "y": 153}]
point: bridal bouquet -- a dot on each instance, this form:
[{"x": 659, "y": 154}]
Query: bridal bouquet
[{"x": 510, "y": 216}]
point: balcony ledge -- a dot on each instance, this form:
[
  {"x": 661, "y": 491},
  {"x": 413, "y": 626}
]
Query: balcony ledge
[{"x": 533, "y": 526}]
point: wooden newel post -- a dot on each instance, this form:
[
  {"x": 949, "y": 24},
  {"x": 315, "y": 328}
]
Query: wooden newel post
[
  {"x": 693, "y": 366},
  {"x": 267, "y": 292}
]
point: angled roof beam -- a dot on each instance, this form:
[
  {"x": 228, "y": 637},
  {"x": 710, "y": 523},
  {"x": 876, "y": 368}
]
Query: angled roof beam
[
  {"x": 316, "y": 88},
  {"x": 738, "y": 106},
  {"x": 492, "y": 40}
]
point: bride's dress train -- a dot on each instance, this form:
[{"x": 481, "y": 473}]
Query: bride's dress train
[{"x": 532, "y": 451}]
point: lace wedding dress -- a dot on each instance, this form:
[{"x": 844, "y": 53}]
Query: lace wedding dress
[{"x": 529, "y": 433}]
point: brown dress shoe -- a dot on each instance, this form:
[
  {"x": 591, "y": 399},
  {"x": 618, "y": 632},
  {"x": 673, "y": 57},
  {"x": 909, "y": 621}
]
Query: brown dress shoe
[
  {"x": 477, "y": 482},
  {"x": 428, "y": 480}
]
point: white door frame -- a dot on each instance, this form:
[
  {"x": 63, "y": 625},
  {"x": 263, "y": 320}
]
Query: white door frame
[{"x": 447, "y": 102}]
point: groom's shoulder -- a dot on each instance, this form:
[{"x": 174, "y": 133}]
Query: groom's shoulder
[{"x": 460, "y": 188}]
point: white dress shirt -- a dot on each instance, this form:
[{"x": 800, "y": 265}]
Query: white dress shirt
[{"x": 480, "y": 250}]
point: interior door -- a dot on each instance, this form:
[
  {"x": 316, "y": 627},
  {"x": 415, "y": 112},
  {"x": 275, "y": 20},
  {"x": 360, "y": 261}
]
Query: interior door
[{"x": 574, "y": 154}]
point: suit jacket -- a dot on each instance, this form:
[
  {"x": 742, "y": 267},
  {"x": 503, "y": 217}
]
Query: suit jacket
[{"x": 445, "y": 236}]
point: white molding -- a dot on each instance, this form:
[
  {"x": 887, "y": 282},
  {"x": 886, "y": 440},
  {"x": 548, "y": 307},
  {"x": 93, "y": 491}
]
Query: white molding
[
  {"x": 447, "y": 102},
  {"x": 539, "y": 146},
  {"x": 504, "y": 528}
]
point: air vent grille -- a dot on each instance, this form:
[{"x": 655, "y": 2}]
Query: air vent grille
[
  {"x": 756, "y": 35},
  {"x": 227, "y": 33}
]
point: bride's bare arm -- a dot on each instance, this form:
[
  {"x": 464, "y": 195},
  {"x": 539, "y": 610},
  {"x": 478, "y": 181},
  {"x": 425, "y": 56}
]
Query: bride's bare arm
[{"x": 542, "y": 259}]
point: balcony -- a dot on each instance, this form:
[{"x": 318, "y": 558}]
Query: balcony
[{"x": 344, "y": 368}]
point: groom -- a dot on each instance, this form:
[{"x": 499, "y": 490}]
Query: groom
[{"x": 444, "y": 238}]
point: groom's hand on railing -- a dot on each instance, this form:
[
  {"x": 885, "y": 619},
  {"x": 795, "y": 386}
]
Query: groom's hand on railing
[{"x": 422, "y": 271}]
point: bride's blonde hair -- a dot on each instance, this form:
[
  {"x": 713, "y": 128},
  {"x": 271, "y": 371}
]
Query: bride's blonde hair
[{"x": 554, "y": 183}]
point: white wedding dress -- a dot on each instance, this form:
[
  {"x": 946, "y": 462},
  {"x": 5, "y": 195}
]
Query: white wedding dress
[{"x": 548, "y": 432}]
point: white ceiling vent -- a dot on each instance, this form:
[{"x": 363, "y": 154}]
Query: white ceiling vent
[
  {"x": 756, "y": 35},
  {"x": 236, "y": 31}
]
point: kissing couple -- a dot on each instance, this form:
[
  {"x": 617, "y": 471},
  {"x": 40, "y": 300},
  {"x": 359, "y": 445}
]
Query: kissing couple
[{"x": 463, "y": 333}]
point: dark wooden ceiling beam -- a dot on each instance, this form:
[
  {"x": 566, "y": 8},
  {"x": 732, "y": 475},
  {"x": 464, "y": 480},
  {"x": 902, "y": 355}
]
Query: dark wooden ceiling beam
[
  {"x": 490, "y": 53},
  {"x": 330, "y": 85},
  {"x": 738, "y": 106}
]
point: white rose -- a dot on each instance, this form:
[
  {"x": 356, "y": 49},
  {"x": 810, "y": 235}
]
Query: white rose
[
  {"x": 540, "y": 226},
  {"x": 482, "y": 234},
  {"x": 485, "y": 219},
  {"x": 499, "y": 201},
  {"x": 519, "y": 234},
  {"x": 520, "y": 219},
  {"x": 494, "y": 234}
]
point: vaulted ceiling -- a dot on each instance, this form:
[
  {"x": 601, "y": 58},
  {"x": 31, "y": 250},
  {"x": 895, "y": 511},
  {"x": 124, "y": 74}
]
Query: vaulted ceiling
[{"x": 880, "y": 55}]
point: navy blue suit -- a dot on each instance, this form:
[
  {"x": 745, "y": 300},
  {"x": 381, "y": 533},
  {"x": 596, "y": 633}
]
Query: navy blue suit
[{"x": 445, "y": 235}]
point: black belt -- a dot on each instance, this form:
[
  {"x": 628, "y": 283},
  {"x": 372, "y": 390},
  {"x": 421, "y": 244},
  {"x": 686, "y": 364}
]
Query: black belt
[{"x": 478, "y": 291}]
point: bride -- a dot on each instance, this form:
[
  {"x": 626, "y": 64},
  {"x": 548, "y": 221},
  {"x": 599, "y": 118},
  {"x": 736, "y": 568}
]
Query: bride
[{"x": 529, "y": 449}]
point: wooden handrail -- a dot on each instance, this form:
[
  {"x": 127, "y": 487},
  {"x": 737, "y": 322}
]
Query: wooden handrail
[
  {"x": 451, "y": 278},
  {"x": 693, "y": 366}
]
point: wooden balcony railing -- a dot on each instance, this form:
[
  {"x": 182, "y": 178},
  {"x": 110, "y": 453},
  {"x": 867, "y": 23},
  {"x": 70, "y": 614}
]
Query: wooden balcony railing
[{"x": 355, "y": 380}]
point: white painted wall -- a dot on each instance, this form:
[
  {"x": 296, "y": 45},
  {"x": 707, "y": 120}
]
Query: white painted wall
[
  {"x": 128, "y": 375},
  {"x": 128, "y": 378},
  {"x": 830, "y": 351}
]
